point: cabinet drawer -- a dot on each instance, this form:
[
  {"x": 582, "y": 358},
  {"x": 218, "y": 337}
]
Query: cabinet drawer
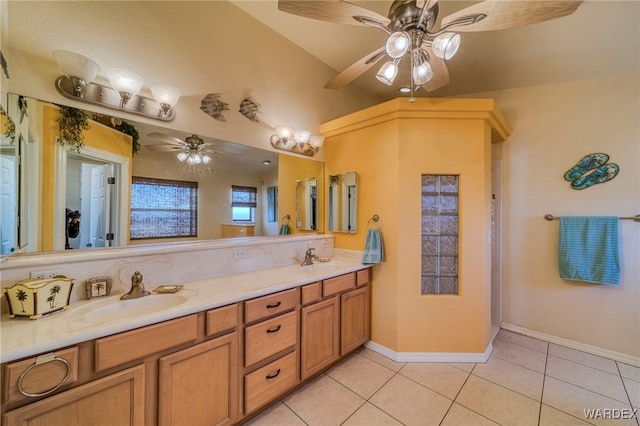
[
  {"x": 46, "y": 373},
  {"x": 338, "y": 284},
  {"x": 362, "y": 277},
  {"x": 273, "y": 304},
  {"x": 311, "y": 293},
  {"x": 222, "y": 319},
  {"x": 131, "y": 345},
  {"x": 270, "y": 381},
  {"x": 270, "y": 337}
]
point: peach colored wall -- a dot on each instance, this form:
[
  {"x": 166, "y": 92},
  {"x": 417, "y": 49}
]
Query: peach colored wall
[
  {"x": 97, "y": 136},
  {"x": 290, "y": 169},
  {"x": 555, "y": 126},
  {"x": 390, "y": 146}
]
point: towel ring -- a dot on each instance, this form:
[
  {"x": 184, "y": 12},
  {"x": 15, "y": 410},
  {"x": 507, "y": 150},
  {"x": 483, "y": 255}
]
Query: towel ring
[
  {"x": 375, "y": 219},
  {"x": 287, "y": 218}
]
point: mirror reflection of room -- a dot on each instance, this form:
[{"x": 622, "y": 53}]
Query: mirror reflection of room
[
  {"x": 342, "y": 202},
  {"x": 307, "y": 204}
]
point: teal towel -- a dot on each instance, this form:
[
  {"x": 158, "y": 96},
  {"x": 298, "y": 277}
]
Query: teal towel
[
  {"x": 373, "y": 252},
  {"x": 284, "y": 229},
  {"x": 589, "y": 249}
]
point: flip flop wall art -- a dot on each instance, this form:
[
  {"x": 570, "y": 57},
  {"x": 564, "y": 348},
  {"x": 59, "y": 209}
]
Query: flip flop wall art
[{"x": 591, "y": 170}]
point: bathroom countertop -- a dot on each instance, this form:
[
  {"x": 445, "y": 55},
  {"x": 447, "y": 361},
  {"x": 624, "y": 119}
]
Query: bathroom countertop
[{"x": 23, "y": 338}]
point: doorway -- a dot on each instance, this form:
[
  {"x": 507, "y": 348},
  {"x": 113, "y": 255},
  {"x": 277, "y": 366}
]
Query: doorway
[
  {"x": 496, "y": 246},
  {"x": 92, "y": 193}
]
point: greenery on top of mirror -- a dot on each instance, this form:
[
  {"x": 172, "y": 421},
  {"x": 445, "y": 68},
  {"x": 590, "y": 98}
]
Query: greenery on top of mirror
[
  {"x": 9, "y": 128},
  {"x": 73, "y": 122},
  {"x": 71, "y": 125}
]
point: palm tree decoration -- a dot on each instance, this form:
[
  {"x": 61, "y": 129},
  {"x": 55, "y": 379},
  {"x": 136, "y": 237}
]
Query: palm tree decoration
[
  {"x": 22, "y": 297},
  {"x": 99, "y": 287},
  {"x": 53, "y": 293}
]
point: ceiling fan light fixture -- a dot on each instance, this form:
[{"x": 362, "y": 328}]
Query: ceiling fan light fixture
[
  {"x": 388, "y": 72},
  {"x": 206, "y": 159},
  {"x": 397, "y": 44},
  {"x": 446, "y": 45},
  {"x": 182, "y": 156}
]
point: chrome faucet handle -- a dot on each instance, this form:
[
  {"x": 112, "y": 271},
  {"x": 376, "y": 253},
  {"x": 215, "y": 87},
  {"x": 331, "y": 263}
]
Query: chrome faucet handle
[{"x": 309, "y": 256}]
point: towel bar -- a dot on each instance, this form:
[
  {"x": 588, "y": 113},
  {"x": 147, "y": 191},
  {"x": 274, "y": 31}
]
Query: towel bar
[{"x": 635, "y": 218}]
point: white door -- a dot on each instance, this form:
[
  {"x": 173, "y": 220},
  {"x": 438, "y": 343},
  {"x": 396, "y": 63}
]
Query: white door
[
  {"x": 496, "y": 246},
  {"x": 99, "y": 218},
  {"x": 8, "y": 211}
]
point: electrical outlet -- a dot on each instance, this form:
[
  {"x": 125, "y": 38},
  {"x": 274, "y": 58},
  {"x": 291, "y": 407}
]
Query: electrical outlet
[
  {"x": 324, "y": 243},
  {"x": 240, "y": 253},
  {"x": 49, "y": 273}
]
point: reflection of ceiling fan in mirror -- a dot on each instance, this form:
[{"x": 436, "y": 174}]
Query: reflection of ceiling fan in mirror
[
  {"x": 412, "y": 36},
  {"x": 192, "y": 150}
]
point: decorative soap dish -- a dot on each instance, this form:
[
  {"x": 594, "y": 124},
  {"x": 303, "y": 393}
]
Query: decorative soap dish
[
  {"x": 174, "y": 288},
  {"x": 323, "y": 259}
]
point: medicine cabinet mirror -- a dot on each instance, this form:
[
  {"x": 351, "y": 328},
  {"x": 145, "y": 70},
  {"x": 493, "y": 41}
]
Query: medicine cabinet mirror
[
  {"x": 307, "y": 204},
  {"x": 342, "y": 203}
]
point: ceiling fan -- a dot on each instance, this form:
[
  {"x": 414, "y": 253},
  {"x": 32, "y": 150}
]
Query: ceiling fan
[
  {"x": 192, "y": 150},
  {"x": 411, "y": 32}
]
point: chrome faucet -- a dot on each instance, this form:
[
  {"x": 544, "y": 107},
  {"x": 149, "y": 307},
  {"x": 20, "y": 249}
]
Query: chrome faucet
[
  {"x": 137, "y": 288},
  {"x": 308, "y": 257}
]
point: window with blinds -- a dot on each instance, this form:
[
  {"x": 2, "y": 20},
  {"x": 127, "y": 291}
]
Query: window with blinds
[
  {"x": 162, "y": 208},
  {"x": 243, "y": 202}
]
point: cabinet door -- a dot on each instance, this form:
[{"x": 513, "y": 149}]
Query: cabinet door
[
  {"x": 354, "y": 319},
  {"x": 199, "y": 385},
  {"x": 320, "y": 337},
  {"x": 117, "y": 399}
]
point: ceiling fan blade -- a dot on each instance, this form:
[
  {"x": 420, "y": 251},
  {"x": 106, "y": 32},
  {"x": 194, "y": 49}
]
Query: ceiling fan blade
[
  {"x": 330, "y": 11},
  {"x": 165, "y": 138},
  {"x": 440, "y": 72},
  {"x": 428, "y": 3},
  {"x": 502, "y": 14},
  {"x": 355, "y": 70},
  {"x": 163, "y": 148}
]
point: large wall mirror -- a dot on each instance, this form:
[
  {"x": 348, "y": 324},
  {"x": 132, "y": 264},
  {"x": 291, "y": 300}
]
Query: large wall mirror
[
  {"x": 342, "y": 202},
  {"x": 307, "y": 204},
  {"x": 29, "y": 188}
]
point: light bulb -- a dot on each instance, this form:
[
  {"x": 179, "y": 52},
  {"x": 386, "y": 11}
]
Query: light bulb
[
  {"x": 316, "y": 141},
  {"x": 397, "y": 44},
  {"x": 127, "y": 83},
  {"x": 422, "y": 73},
  {"x": 446, "y": 45},
  {"x": 182, "y": 156},
  {"x": 285, "y": 132},
  {"x": 301, "y": 136},
  {"x": 388, "y": 72},
  {"x": 166, "y": 95},
  {"x": 206, "y": 159}
]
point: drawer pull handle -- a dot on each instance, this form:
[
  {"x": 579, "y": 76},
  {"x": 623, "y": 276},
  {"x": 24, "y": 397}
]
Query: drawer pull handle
[
  {"x": 43, "y": 359},
  {"x": 270, "y": 306},
  {"x": 274, "y": 330},
  {"x": 273, "y": 376}
]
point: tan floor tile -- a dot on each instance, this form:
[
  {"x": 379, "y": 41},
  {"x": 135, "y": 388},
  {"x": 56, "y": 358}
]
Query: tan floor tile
[
  {"x": 549, "y": 416},
  {"x": 524, "y": 357},
  {"x": 439, "y": 377},
  {"x": 361, "y": 375},
  {"x": 466, "y": 366},
  {"x": 381, "y": 359},
  {"x": 629, "y": 371},
  {"x": 522, "y": 340},
  {"x": 498, "y": 403},
  {"x": 323, "y": 401},
  {"x": 512, "y": 376},
  {"x": 633, "y": 390},
  {"x": 595, "y": 380},
  {"x": 575, "y": 400},
  {"x": 278, "y": 414},
  {"x": 459, "y": 415},
  {"x": 370, "y": 415},
  {"x": 411, "y": 403},
  {"x": 584, "y": 358}
]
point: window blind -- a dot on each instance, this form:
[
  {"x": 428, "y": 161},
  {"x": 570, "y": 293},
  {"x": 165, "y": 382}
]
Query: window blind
[{"x": 243, "y": 196}]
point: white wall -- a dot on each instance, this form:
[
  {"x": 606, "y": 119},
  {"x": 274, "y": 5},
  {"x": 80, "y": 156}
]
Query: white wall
[{"x": 554, "y": 126}]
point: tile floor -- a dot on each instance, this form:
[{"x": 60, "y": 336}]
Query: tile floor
[{"x": 525, "y": 382}]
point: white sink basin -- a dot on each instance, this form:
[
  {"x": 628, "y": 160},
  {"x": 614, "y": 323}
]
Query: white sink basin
[
  {"x": 115, "y": 309},
  {"x": 321, "y": 266}
]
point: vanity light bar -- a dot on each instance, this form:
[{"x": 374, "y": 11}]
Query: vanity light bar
[{"x": 104, "y": 96}]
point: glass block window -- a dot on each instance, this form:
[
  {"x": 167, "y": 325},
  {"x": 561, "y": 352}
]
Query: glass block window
[
  {"x": 440, "y": 201},
  {"x": 162, "y": 208}
]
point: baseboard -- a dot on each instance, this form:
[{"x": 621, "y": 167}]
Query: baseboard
[
  {"x": 593, "y": 350},
  {"x": 430, "y": 356}
]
